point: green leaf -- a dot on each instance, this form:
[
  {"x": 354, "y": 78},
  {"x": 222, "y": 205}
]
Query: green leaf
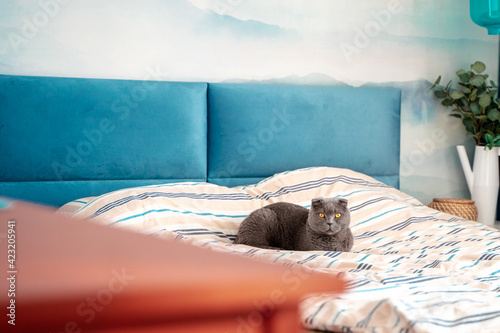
[
  {"x": 466, "y": 90},
  {"x": 448, "y": 86},
  {"x": 494, "y": 114},
  {"x": 478, "y": 67},
  {"x": 435, "y": 84},
  {"x": 457, "y": 94},
  {"x": 439, "y": 94},
  {"x": 447, "y": 102},
  {"x": 469, "y": 124},
  {"x": 485, "y": 100},
  {"x": 493, "y": 84},
  {"x": 475, "y": 108},
  {"x": 492, "y": 92},
  {"x": 456, "y": 115},
  {"x": 488, "y": 138},
  {"x": 477, "y": 80},
  {"x": 464, "y": 77},
  {"x": 473, "y": 95}
]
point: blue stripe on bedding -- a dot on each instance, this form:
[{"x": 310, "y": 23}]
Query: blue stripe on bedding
[
  {"x": 150, "y": 186},
  {"x": 369, "y": 202},
  {"x": 147, "y": 195},
  {"x": 466, "y": 300},
  {"x": 313, "y": 184},
  {"x": 338, "y": 314},
  {"x": 357, "y": 284},
  {"x": 331, "y": 263},
  {"x": 278, "y": 257},
  {"x": 488, "y": 278},
  {"x": 447, "y": 292},
  {"x": 411, "y": 280},
  {"x": 371, "y": 290},
  {"x": 80, "y": 201},
  {"x": 377, "y": 216},
  {"x": 311, "y": 318},
  {"x": 310, "y": 258},
  {"x": 474, "y": 264},
  {"x": 174, "y": 211},
  {"x": 191, "y": 232},
  {"x": 398, "y": 226},
  {"x": 460, "y": 321},
  {"x": 332, "y": 254},
  {"x": 364, "y": 322}
]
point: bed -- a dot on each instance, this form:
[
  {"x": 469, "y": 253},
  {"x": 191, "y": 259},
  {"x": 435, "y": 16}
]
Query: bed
[{"x": 187, "y": 161}]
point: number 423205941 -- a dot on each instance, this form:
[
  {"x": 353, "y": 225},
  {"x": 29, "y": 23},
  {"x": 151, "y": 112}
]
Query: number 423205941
[{"x": 11, "y": 244}]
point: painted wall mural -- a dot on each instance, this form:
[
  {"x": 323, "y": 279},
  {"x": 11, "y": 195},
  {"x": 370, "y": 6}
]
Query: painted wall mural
[{"x": 397, "y": 43}]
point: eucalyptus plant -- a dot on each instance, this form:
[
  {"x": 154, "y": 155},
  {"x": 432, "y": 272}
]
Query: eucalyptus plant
[{"x": 475, "y": 101}]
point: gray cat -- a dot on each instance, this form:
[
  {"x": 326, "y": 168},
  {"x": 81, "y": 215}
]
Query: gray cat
[{"x": 282, "y": 225}]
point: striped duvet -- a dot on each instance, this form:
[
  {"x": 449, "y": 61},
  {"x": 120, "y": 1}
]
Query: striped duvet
[{"x": 411, "y": 269}]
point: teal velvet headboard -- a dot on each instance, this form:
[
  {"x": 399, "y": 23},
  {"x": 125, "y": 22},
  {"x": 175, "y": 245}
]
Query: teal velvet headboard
[{"x": 67, "y": 138}]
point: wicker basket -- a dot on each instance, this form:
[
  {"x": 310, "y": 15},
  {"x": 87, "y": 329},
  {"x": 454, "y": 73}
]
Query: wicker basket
[{"x": 463, "y": 208}]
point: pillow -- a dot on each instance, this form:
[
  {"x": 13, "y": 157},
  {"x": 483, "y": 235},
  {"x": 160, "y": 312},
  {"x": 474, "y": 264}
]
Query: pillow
[
  {"x": 73, "y": 206},
  {"x": 204, "y": 210},
  {"x": 192, "y": 209}
]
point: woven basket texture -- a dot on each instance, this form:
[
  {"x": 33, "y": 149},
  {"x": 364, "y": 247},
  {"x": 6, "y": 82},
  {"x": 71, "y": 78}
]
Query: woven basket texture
[{"x": 463, "y": 208}]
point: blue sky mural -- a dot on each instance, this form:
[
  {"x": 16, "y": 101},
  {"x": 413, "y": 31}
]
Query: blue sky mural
[{"x": 405, "y": 43}]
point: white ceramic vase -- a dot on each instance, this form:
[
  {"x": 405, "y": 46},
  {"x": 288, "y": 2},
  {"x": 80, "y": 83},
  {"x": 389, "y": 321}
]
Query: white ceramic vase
[{"x": 483, "y": 181}]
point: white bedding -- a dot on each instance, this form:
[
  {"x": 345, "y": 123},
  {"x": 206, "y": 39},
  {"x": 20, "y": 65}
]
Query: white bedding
[{"x": 411, "y": 269}]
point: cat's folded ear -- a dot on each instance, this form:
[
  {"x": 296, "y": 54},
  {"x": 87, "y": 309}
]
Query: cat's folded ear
[
  {"x": 317, "y": 202},
  {"x": 343, "y": 202}
]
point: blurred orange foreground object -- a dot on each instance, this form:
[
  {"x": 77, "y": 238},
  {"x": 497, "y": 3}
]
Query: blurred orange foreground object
[{"x": 70, "y": 275}]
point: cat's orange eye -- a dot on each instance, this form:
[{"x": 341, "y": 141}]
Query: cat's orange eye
[
  {"x": 321, "y": 215},
  {"x": 338, "y": 215}
]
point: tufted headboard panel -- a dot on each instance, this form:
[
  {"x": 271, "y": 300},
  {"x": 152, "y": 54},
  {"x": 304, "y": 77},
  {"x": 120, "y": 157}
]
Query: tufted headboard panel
[
  {"x": 67, "y": 138},
  {"x": 259, "y": 130}
]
